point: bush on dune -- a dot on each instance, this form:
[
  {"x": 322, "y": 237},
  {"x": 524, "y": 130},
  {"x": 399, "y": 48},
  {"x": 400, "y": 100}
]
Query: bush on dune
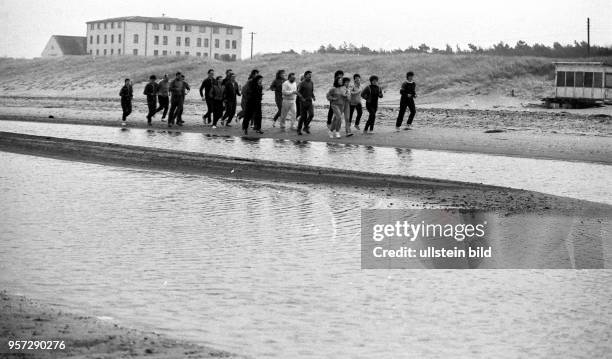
[{"x": 435, "y": 72}]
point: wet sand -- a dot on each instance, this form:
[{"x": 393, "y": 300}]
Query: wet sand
[
  {"x": 562, "y": 135},
  {"x": 85, "y": 337},
  {"x": 430, "y": 192}
]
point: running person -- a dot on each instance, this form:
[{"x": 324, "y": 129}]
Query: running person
[
  {"x": 150, "y": 91},
  {"x": 356, "y": 100},
  {"x": 162, "y": 96},
  {"x": 205, "y": 95},
  {"x": 408, "y": 93},
  {"x": 371, "y": 94},
  {"x": 288, "y": 107},
  {"x": 277, "y": 87},
  {"x": 126, "y": 93}
]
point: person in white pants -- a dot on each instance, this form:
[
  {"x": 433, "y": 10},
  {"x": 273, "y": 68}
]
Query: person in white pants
[{"x": 289, "y": 95}]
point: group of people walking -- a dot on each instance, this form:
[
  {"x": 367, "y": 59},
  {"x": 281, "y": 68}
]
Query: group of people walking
[{"x": 294, "y": 100}]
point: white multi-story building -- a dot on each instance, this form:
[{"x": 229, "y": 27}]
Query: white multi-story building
[{"x": 163, "y": 36}]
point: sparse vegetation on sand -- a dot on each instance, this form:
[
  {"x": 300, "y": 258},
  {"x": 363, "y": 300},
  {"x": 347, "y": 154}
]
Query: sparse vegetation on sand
[{"x": 438, "y": 76}]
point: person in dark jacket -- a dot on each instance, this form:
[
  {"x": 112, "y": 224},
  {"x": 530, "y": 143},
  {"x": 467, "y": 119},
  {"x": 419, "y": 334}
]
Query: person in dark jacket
[
  {"x": 216, "y": 94},
  {"x": 126, "y": 95},
  {"x": 338, "y": 75},
  {"x": 252, "y": 113},
  {"x": 277, "y": 87},
  {"x": 205, "y": 95},
  {"x": 306, "y": 97},
  {"x": 230, "y": 91},
  {"x": 162, "y": 96},
  {"x": 408, "y": 93},
  {"x": 371, "y": 94},
  {"x": 150, "y": 91},
  {"x": 228, "y": 76},
  {"x": 178, "y": 89},
  {"x": 244, "y": 90}
]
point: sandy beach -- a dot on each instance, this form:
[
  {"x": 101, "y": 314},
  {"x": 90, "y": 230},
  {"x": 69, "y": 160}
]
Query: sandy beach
[
  {"x": 22, "y": 318},
  {"x": 578, "y": 135}
]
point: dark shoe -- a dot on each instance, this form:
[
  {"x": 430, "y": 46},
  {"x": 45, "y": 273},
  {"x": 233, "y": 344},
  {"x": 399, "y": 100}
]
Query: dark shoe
[
  {"x": 307, "y": 130},
  {"x": 169, "y": 125},
  {"x": 259, "y": 131},
  {"x": 299, "y": 133},
  {"x": 245, "y": 132}
]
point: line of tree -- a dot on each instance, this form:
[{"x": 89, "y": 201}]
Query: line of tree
[{"x": 521, "y": 48}]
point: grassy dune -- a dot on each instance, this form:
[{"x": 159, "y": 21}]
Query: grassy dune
[{"x": 438, "y": 76}]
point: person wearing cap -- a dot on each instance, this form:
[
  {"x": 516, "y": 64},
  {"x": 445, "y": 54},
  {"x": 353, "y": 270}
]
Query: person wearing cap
[
  {"x": 150, "y": 91},
  {"x": 162, "y": 96},
  {"x": 126, "y": 95}
]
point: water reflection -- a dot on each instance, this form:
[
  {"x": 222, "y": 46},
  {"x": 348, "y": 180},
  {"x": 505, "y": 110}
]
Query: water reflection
[
  {"x": 271, "y": 270},
  {"x": 572, "y": 179}
]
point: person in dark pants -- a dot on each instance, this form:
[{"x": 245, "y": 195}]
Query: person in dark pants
[
  {"x": 150, "y": 91},
  {"x": 306, "y": 97},
  {"x": 277, "y": 87},
  {"x": 338, "y": 75},
  {"x": 230, "y": 91},
  {"x": 408, "y": 92},
  {"x": 162, "y": 96},
  {"x": 298, "y": 102},
  {"x": 371, "y": 94},
  {"x": 243, "y": 99},
  {"x": 355, "y": 101},
  {"x": 205, "y": 95},
  {"x": 252, "y": 113},
  {"x": 126, "y": 95},
  {"x": 216, "y": 95},
  {"x": 178, "y": 88}
]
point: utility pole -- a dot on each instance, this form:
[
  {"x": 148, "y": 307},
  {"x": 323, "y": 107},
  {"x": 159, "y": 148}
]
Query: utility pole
[
  {"x": 588, "y": 37},
  {"x": 252, "y": 33}
]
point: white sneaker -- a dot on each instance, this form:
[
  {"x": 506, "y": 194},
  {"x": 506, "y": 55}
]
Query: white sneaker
[
  {"x": 331, "y": 134},
  {"x": 123, "y": 124},
  {"x": 338, "y": 134},
  {"x": 214, "y": 127},
  {"x": 397, "y": 129}
]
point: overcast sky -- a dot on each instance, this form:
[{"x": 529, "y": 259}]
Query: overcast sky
[{"x": 281, "y": 25}]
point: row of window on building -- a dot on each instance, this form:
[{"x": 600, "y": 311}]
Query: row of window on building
[
  {"x": 106, "y": 39},
  {"x": 167, "y": 27},
  {"x": 106, "y": 52},
  {"x": 233, "y": 44},
  {"x": 583, "y": 79}
]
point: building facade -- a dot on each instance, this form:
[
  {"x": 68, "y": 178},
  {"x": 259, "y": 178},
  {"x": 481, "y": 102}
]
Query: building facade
[
  {"x": 163, "y": 36},
  {"x": 60, "y": 45}
]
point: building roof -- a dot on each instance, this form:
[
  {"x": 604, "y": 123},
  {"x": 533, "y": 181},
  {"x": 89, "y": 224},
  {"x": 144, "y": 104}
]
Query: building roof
[
  {"x": 71, "y": 45},
  {"x": 166, "y": 20},
  {"x": 583, "y": 63}
]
